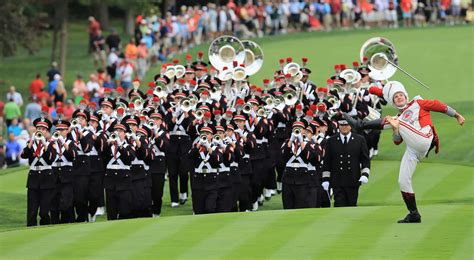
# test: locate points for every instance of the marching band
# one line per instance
(236, 144)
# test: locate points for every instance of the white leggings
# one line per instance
(418, 143)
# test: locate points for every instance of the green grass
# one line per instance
(444, 184)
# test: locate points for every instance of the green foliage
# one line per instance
(23, 24)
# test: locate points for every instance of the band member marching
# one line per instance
(41, 182)
(62, 210)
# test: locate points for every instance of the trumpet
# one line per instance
(185, 104)
(247, 108)
(159, 92)
(151, 123)
(203, 139)
(38, 136)
(261, 112)
(199, 114)
(297, 131)
(74, 123)
(113, 137)
(138, 103)
(56, 136)
(216, 138)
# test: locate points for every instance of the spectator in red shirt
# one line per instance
(94, 28)
(36, 86)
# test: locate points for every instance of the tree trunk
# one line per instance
(103, 15)
(63, 37)
(56, 24)
(129, 25)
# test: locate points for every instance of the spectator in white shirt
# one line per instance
(16, 96)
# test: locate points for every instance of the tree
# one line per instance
(23, 23)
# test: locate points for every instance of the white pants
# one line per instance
(418, 143)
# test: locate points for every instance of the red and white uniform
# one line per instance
(417, 131)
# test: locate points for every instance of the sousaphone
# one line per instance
(224, 50)
(382, 59)
(253, 57)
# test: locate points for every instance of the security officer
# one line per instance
(62, 210)
(41, 182)
(346, 165)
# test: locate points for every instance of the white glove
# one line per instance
(79, 128)
(252, 113)
(363, 179)
(325, 185)
(300, 138)
(293, 137)
(105, 117)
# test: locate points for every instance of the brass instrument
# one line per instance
(261, 112)
(247, 108)
(239, 74)
(297, 131)
(138, 103)
(113, 137)
(160, 92)
(74, 123)
(290, 97)
(224, 50)
(185, 104)
(253, 57)
(351, 76)
(39, 136)
(151, 123)
(291, 68)
(199, 114)
(55, 136)
(216, 138)
(383, 59)
(180, 70)
(203, 138)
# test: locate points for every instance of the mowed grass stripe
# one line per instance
(315, 236)
(364, 232)
(400, 239)
(465, 249)
(230, 237)
(449, 237)
(459, 182)
(36, 242)
(148, 243)
(383, 179)
(174, 245)
(278, 228)
(425, 177)
(95, 236)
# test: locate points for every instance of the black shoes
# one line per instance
(412, 217)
